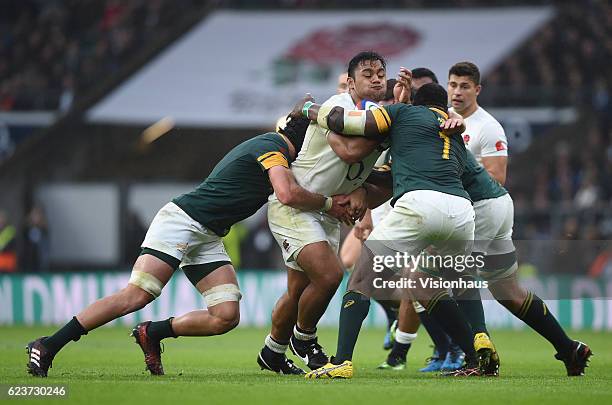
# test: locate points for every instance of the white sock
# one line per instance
(303, 336)
(275, 346)
(404, 337)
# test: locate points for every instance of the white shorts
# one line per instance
(293, 229)
(494, 222)
(175, 233)
(380, 212)
(425, 218)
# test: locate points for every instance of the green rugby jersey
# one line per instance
(423, 157)
(478, 183)
(238, 185)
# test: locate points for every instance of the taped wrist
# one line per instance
(328, 204)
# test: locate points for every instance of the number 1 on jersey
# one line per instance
(446, 149)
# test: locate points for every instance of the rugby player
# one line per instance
(493, 234)
(430, 207)
(186, 233)
(351, 246)
(309, 241)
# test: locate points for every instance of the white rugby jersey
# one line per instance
(318, 169)
(484, 136)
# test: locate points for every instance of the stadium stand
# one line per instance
(53, 52)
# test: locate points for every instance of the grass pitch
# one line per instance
(107, 368)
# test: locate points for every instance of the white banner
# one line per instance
(245, 69)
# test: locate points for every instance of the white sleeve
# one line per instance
(493, 140)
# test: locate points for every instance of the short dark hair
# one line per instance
(466, 69)
(362, 57)
(432, 95)
(390, 85)
(417, 73)
(295, 131)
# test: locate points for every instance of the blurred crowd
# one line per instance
(52, 52)
(567, 62)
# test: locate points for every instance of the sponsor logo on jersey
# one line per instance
(500, 145)
(349, 303)
(286, 245)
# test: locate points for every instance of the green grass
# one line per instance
(106, 367)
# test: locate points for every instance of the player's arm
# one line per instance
(496, 166)
(494, 151)
(373, 122)
(290, 193)
(351, 149)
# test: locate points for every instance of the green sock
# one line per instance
(445, 311)
(355, 308)
(535, 313)
(471, 305)
(161, 329)
(73, 330)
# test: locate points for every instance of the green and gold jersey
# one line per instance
(238, 185)
(423, 157)
(478, 183)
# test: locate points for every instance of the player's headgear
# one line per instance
(295, 131)
(432, 95)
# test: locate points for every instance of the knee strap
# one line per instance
(222, 293)
(146, 282)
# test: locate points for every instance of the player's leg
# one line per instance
(451, 219)
(440, 339)
(350, 250)
(153, 274)
(222, 295)
(284, 316)
(208, 267)
(406, 332)
(356, 301)
(349, 254)
(354, 309)
(309, 243)
(324, 271)
(529, 308)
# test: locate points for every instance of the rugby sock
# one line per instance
(73, 330)
(273, 348)
(471, 305)
(439, 338)
(303, 334)
(161, 329)
(355, 308)
(390, 311)
(535, 313)
(403, 341)
(445, 311)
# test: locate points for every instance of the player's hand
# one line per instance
(403, 87)
(358, 203)
(454, 124)
(363, 228)
(297, 109)
(340, 209)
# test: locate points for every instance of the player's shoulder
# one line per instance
(485, 118)
(270, 141)
(343, 100)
